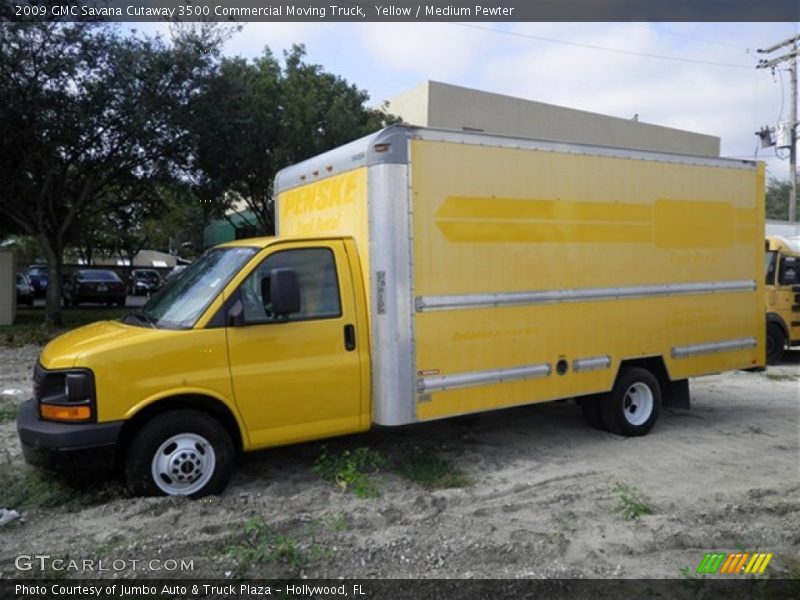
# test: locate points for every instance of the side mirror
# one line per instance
(283, 291)
(788, 270)
(236, 314)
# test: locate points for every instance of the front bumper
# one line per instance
(75, 447)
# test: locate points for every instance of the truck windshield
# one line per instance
(181, 302)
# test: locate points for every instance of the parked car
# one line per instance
(144, 282)
(24, 290)
(94, 285)
(37, 275)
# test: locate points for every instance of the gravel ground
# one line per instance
(540, 503)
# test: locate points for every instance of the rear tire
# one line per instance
(776, 342)
(180, 453)
(632, 407)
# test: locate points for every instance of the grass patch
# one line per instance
(780, 377)
(351, 471)
(429, 470)
(632, 502)
(8, 412)
(755, 429)
(263, 545)
(26, 487)
(29, 327)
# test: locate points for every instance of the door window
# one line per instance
(316, 275)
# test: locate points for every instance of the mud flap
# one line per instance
(676, 394)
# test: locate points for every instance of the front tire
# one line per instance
(180, 453)
(776, 342)
(632, 407)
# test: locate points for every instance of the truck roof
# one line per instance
(390, 146)
(790, 245)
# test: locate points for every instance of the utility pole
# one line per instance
(791, 58)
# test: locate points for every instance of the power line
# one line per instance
(603, 48)
(692, 36)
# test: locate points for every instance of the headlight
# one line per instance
(65, 395)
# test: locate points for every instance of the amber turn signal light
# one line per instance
(57, 412)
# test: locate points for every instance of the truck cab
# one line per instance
(782, 268)
(258, 343)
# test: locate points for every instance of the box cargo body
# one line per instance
(505, 271)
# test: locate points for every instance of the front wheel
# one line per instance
(776, 341)
(180, 453)
(632, 406)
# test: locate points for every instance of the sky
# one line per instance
(695, 76)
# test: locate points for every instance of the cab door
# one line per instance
(298, 377)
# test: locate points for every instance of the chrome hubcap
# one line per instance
(183, 464)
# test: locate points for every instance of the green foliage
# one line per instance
(424, 467)
(92, 122)
(25, 487)
(351, 470)
(632, 503)
(263, 545)
(8, 412)
(29, 329)
(256, 117)
(777, 199)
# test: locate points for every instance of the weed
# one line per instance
(8, 412)
(755, 429)
(690, 581)
(263, 545)
(424, 467)
(632, 503)
(25, 487)
(337, 524)
(351, 470)
(780, 377)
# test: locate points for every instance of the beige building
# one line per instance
(434, 104)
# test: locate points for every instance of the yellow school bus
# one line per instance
(419, 274)
(782, 266)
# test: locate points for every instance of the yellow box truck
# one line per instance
(782, 266)
(420, 274)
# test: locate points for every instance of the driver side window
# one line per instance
(316, 274)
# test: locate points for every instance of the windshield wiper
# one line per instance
(141, 316)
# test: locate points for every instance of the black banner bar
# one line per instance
(402, 10)
(399, 589)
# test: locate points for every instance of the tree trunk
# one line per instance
(55, 267)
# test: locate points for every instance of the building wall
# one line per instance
(783, 228)
(434, 104)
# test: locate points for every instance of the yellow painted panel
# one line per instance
(495, 220)
(332, 206)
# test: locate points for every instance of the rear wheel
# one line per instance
(633, 405)
(776, 342)
(179, 453)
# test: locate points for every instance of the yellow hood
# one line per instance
(67, 349)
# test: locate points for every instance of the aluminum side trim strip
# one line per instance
(429, 303)
(713, 347)
(595, 363)
(438, 383)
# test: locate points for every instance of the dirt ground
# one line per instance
(541, 502)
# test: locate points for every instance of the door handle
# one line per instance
(349, 337)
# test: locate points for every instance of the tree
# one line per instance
(87, 116)
(777, 199)
(256, 117)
